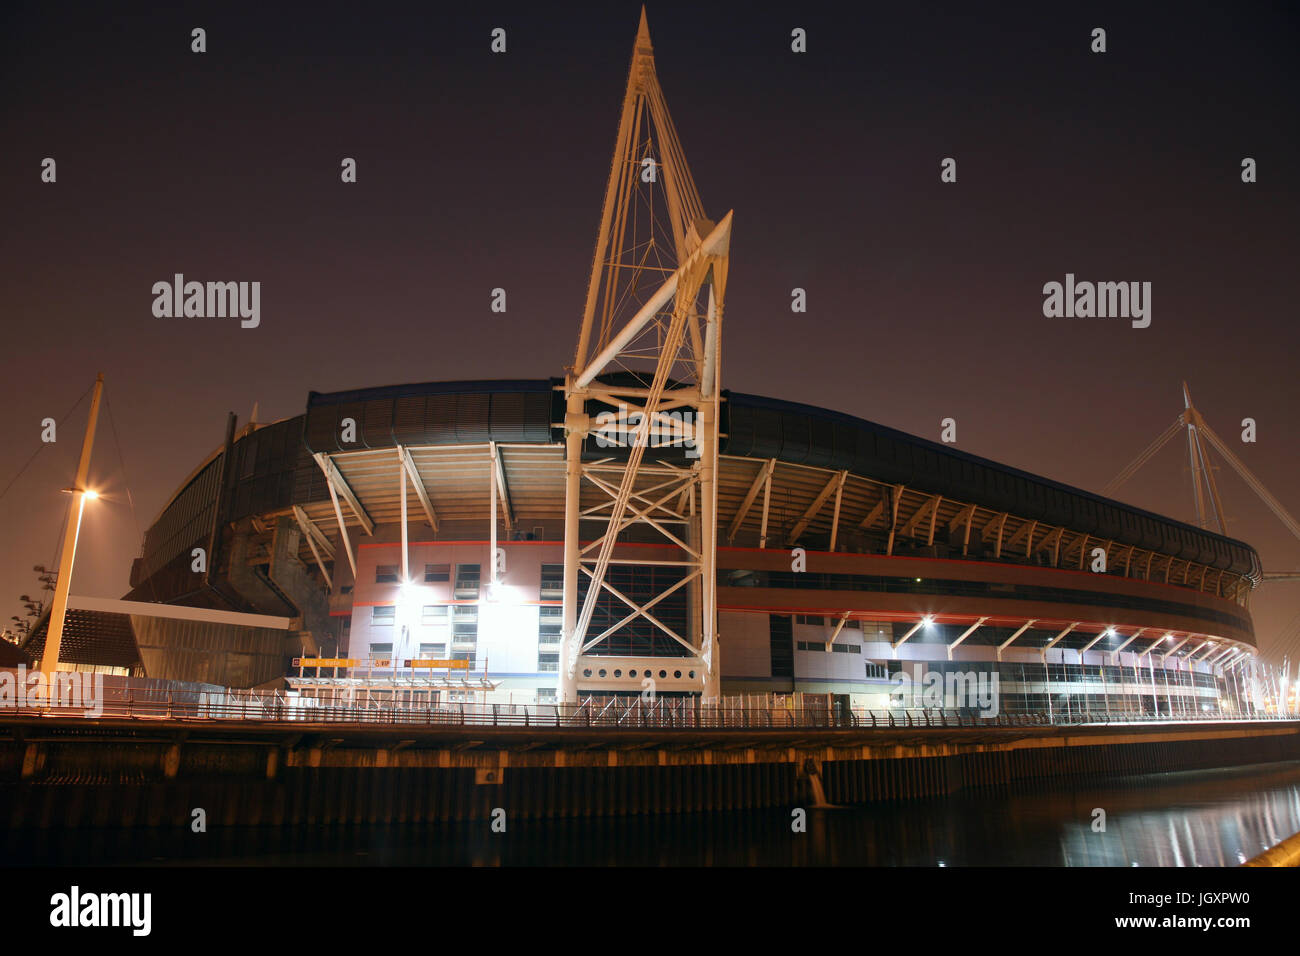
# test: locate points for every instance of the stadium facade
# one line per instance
(847, 551)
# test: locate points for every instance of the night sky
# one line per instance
(478, 171)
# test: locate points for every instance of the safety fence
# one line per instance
(634, 713)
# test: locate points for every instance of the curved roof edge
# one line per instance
(780, 405)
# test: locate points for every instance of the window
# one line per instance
(437, 572)
(464, 628)
(467, 581)
(548, 661)
(381, 650)
(552, 582)
(383, 616)
(781, 646)
(815, 621)
(550, 623)
(386, 574)
(546, 695)
(434, 615)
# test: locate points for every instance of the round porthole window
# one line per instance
(677, 674)
(602, 672)
(618, 673)
(587, 672)
(692, 675)
(663, 674)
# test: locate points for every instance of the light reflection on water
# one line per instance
(1199, 818)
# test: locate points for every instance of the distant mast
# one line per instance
(59, 611)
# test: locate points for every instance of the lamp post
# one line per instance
(79, 491)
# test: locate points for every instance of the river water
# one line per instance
(1195, 818)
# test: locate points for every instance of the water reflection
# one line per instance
(1200, 818)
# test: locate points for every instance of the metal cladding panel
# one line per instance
(845, 437)
(509, 417)
(1153, 533)
(1199, 547)
(1175, 542)
(522, 416)
(325, 427)
(185, 522)
(821, 444)
(353, 414)
(409, 426)
(308, 482)
(265, 465)
(321, 432)
(1035, 496)
(888, 463)
(376, 423)
(440, 414)
(1110, 524)
(1208, 545)
(437, 413)
(796, 437)
(1084, 512)
(473, 418)
(1056, 507)
(751, 433)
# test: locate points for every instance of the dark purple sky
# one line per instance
(478, 171)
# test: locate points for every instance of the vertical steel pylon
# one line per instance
(642, 397)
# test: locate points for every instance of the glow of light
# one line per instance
(1169, 637)
(1110, 632)
(928, 620)
(407, 593)
(918, 580)
(91, 493)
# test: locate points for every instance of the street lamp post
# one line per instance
(59, 611)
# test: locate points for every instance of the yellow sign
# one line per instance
(324, 662)
(441, 664)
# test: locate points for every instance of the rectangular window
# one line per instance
(383, 616)
(815, 621)
(386, 574)
(467, 582)
(437, 651)
(781, 645)
(381, 650)
(550, 622)
(548, 661)
(464, 628)
(552, 582)
(437, 572)
(434, 615)
(546, 695)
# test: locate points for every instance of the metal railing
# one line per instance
(596, 712)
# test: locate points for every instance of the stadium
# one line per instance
(913, 552)
(632, 528)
